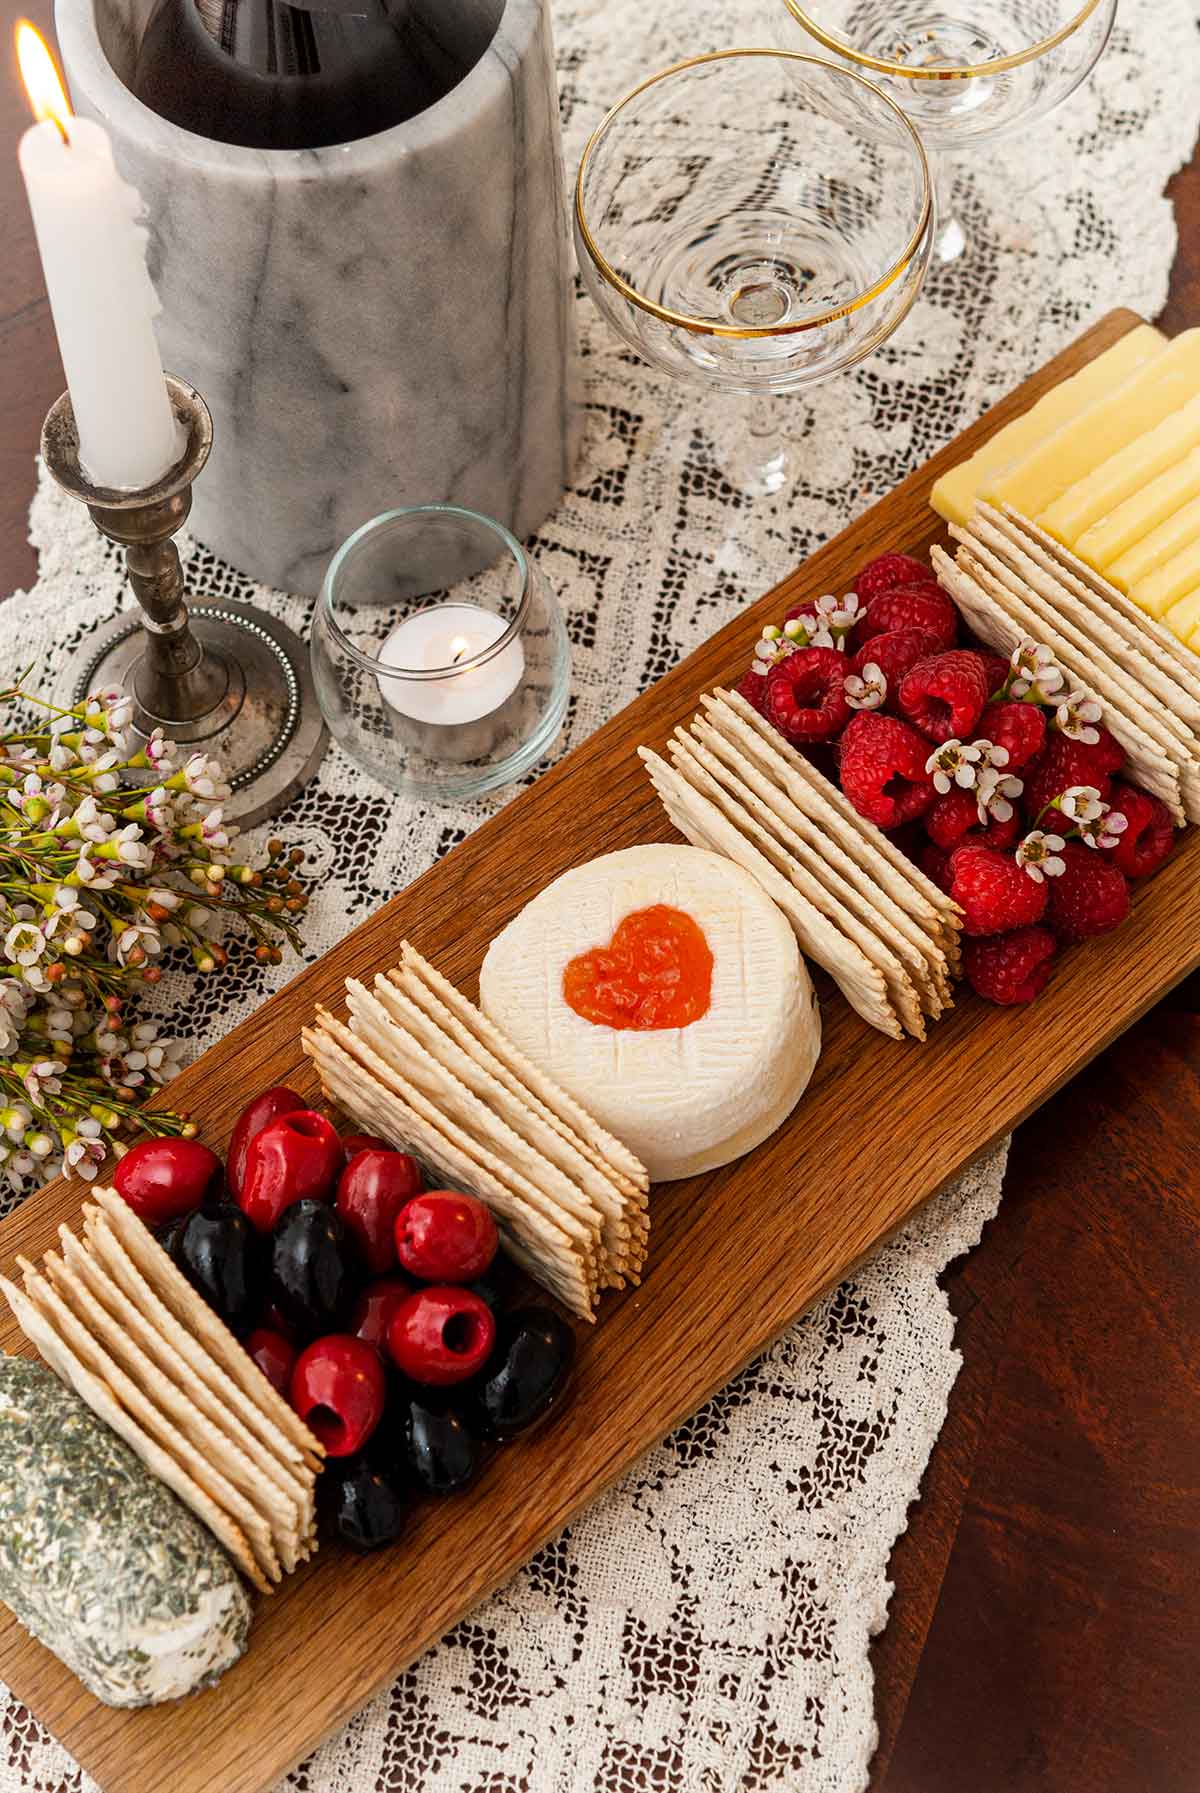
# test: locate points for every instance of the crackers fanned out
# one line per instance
(115, 1319)
(886, 935)
(1015, 584)
(421, 1066)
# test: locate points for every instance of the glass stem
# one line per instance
(766, 463)
(951, 239)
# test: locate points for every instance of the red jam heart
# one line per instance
(655, 972)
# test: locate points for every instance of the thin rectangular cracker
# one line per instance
(420, 1079)
(795, 860)
(575, 1119)
(702, 822)
(518, 1113)
(994, 623)
(360, 1082)
(175, 1293)
(243, 1470)
(1135, 647)
(1161, 643)
(866, 894)
(296, 1483)
(96, 1394)
(1079, 648)
(832, 809)
(193, 1463)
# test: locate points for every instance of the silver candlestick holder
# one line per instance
(219, 678)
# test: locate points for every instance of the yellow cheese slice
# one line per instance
(1107, 542)
(1184, 616)
(1179, 531)
(955, 493)
(1128, 471)
(1126, 412)
(1169, 583)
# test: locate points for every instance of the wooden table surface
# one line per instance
(1045, 1627)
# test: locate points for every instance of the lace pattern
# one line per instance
(704, 1627)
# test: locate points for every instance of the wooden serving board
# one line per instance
(735, 1255)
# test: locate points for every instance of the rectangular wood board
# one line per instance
(736, 1255)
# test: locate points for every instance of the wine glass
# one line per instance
(964, 70)
(755, 221)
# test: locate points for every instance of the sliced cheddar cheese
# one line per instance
(955, 493)
(1125, 473)
(1129, 410)
(1168, 584)
(1107, 542)
(1184, 617)
(1154, 550)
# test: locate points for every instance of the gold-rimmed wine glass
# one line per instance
(963, 70)
(755, 221)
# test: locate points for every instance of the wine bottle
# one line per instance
(277, 74)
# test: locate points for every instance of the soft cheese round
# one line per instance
(685, 1099)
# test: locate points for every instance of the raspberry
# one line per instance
(1150, 835)
(753, 687)
(944, 696)
(1010, 968)
(995, 670)
(1021, 728)
(806, 697)
(910, 607)
(889, 571)
(894, 654)
(953, 821)
(936, 865)
(993, 892)
(883, 770)
(1065, 763)
(1089, 897)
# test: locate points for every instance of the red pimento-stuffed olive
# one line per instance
(276, 1101)
(353, 1143)
(295, 1159)
(444, 1236)
(441, 1335)
(338, 1388)
(162, 1179)
(274, 1356)
(371, 1192)
(373, 1313)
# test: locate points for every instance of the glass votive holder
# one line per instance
(439, 654)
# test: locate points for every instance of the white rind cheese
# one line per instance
(99, 1560)
(684, 1099)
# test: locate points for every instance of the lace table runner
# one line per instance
(704, 1628)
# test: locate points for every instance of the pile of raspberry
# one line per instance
(885, 678)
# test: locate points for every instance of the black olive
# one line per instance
(526, 1373)
(314, 1272)
(441, 1451)
(171, 1235)
(216, 1250)
(366, 1507)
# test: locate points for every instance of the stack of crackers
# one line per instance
(424, 1068)
(883, 931)
(115, 1319)
(1015, 584)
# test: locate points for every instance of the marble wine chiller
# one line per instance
(380, 323)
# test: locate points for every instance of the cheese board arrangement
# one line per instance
(667, 1047)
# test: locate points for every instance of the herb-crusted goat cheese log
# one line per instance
(99, 1560)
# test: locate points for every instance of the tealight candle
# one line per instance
(458, 701)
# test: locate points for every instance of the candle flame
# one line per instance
(458, 647)
(43, 83)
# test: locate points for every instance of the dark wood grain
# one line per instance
(1067, 1629)
(933, 1740)
(317, 1635)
